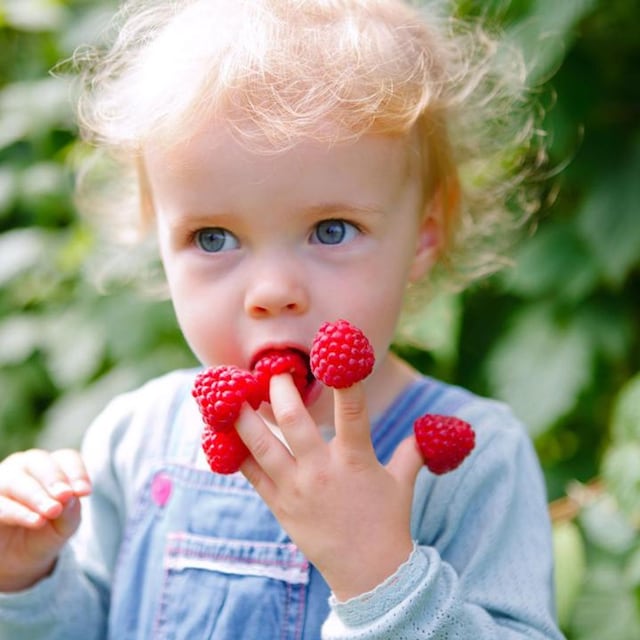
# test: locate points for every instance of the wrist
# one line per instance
(13, 583)
(370, 573)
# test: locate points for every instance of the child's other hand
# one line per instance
(39, 511)
(347, 513)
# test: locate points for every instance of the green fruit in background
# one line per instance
(570, 565)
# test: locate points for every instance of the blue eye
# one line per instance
(215, 240)
(333, 232)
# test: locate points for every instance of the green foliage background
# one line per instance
(555, 336)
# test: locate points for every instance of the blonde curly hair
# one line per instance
(278, 71)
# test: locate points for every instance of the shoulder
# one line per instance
(504, 458)
(504, 452)
(502, 474)
(490, 418)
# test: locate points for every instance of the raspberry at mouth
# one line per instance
(275, 361)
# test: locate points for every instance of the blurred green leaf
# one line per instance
(570, 566)
(608, 219)
(609, 328)
(436, 328)
(34, 15)
(540, 366)
(606, 527)
(30, 108)
(547, 32)
(554, 262)
(621, 472)
(74, 348)
(20, 336)
(7, 189)
(632, 569)
(21, 250)
(607, 608)
(625, 416)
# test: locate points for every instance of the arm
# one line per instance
(39, 511)
(482, 567)
(65, 595)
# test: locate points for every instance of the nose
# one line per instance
(276, 288)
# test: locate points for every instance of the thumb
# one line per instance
(68, 521)
(406, 461)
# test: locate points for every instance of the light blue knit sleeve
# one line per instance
(72, 603)
(63, 606)
(481, 567)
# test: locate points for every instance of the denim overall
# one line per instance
(228, 569)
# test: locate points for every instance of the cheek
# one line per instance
(201, 320)
(374, 303)
(208, 334)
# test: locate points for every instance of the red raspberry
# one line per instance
(341, 355)
(224, 450)
(275, 362)
(220, 393)
(444, 441)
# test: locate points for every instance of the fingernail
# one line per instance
(81, 486)
(46, 505)
(33, 518)
(59, 488)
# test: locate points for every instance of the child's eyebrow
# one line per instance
(340, 209)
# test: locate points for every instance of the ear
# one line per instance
(429, 241)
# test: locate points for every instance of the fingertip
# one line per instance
(52, 509)
(406, 461)
(67, 521)
(81, 487)
(60, 490)
(282, 388)
(33, 520)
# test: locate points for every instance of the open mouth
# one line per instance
(289, 360)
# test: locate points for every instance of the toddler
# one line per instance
(296, 161)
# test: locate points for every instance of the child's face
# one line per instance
(259, 250)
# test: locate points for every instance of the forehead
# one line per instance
(216, 163)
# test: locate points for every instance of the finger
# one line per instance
(258, 478)
(71, 464)
(16, 514)
(20, 487)
(406, 461)
(292, 417)
(67, 522)
(268, 451)
(353, 429)
(44, 469)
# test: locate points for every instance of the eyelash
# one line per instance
(196, 238)
(346, 227)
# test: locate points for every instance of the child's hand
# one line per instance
(39, 511)
(347, 513)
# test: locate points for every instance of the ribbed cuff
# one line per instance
(369, 606)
